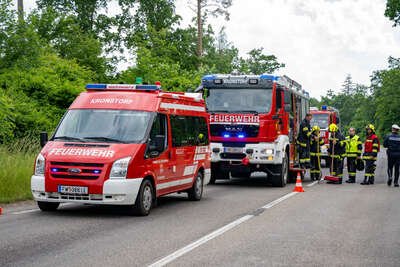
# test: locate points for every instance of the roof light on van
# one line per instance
(123, 86)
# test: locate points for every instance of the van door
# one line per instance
(159, 153)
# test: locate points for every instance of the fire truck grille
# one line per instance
(232, 155)
(234, 130)
(75, 170)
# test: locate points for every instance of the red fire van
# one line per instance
(121, 144)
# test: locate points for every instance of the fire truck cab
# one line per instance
(254, 120)
(323, 118)
(121, 144)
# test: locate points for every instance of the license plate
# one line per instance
(233, 149)
(68, 189)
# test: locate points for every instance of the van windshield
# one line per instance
(104, 125)
(322, 120)
(239, 100)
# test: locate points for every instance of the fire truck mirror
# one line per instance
(288, 107)
(43, 138)
(337, 120)
(287, 98)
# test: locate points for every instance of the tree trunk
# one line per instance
(20, 10)
(199, 30)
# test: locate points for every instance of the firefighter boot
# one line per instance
(351, 180)
(389, 182)
(365, 182)
(396, 182)
(371, 180)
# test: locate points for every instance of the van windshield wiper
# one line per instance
(218, 111)
(70, 138)
(246, 111)
(103, 138)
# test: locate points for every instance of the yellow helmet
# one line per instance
(370, 126)
(333, 127)
(315, 128)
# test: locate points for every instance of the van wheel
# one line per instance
(196, 192)
(48, 206)
(281, 179)
(144, 200)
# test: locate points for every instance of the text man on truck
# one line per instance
(122, 144)
(254, 122)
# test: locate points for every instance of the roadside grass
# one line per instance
(16, 168)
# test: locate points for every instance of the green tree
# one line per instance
(393, 11)
(257, 62)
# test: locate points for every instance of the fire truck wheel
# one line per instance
(241, 174)
(196, 192)
(48, 206)
(281, 179)
(144, 200)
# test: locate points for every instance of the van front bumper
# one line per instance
(115, 192)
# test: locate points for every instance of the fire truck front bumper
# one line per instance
(115, 192)
(260, 153)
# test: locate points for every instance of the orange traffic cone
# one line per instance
(299, 186)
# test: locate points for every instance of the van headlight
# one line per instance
(120, 168)
(39, 165)
(267, 151)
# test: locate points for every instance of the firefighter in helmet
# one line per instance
(353, 153)
(371, 149)
(315, 153)
(303, 141)
(336, 151)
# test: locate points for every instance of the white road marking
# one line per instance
(273, 203)
(199, 242)
(313, 183)
(180, 252)
(24, 211)
(33, 210)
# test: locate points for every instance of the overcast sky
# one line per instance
(320, 41)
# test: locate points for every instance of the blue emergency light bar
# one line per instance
(99, 86)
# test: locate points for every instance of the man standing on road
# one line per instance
(392, 143)
(315, 153)
(336, 151)
(353, 153)
(303, 140)
(371, 149)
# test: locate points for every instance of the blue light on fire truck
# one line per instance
(269, 77)
(227, 135)
(241, 135)
(324, 107)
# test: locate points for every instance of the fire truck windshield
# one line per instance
(322, 120)
(239, 100)
(101, 125)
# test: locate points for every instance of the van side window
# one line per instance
(189, 131)
(158, 134)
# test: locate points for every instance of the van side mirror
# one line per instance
(157, 144)
(44, 137)
(337, 120)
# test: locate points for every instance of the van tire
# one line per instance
(282, 179)
(48, 206)
(144, 200)
(196, 192)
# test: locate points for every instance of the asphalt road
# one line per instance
(237, 223)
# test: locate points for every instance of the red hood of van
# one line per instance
(88, 152)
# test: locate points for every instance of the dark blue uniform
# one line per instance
(392, 143)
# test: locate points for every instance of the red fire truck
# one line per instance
(323, 118)
(122, 144)
(254, 121)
